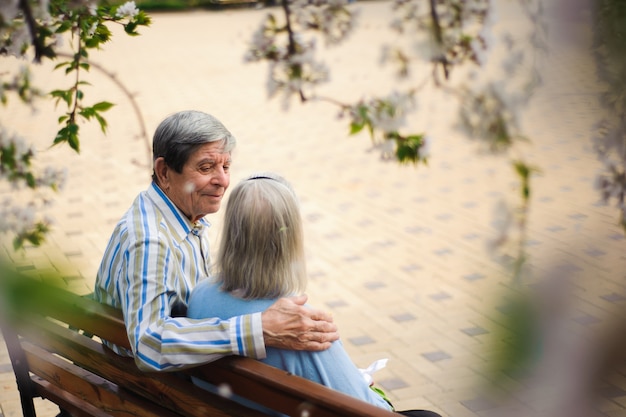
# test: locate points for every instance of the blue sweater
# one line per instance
(332, 367)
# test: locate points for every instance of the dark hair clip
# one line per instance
(262, 176)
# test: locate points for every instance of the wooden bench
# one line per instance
(53, 338)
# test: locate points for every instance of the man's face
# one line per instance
(199, 188)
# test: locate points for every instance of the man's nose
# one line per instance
(221, 177)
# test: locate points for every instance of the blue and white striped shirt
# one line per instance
(154, 258)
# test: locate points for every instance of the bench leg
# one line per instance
(20, 369)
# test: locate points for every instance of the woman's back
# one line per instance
(332, 367)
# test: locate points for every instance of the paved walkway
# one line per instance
(396, 253)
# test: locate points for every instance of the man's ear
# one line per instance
(162, 172)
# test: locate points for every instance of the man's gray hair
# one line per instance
(180, 134)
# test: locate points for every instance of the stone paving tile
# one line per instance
(397, 254)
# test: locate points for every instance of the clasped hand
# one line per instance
(288, 324)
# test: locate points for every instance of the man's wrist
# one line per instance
(246, 335)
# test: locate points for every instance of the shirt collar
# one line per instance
(180, 225)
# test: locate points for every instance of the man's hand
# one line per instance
(287, 324)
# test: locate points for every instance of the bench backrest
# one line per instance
(53, 337)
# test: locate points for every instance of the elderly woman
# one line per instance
(260, 259)
(159, 251)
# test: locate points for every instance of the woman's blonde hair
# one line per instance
(261, 254)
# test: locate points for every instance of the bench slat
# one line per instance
(283, 391)
(67, 401)
(89, 387)
(78, 312)
(168, 389)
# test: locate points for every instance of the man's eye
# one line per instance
(205, 168)
(226, 168)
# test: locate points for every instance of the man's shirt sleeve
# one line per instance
(162, 342)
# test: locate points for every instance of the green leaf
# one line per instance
(48, 52)
(102, 121)
(103, 33)
(522, 169)
(356, 127)
(407, 150)
(64, 27)
(129, 28)
(65, 95)
(7, 157)
(62, 136)
(87, 112)
(62, 64)
(18, 242)
(143, 19)
(73, 138)
(68, 134)
(92, 42)
(102, 106)
(30, 180)
(35, 236)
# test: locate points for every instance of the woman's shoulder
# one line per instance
(204, 289)
(208, 299)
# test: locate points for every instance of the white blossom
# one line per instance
(25, 218)
(337, 3)
(17, 219)
(389, 114)
(478, 51)
(272, 86)
(397, 25)
(42, 12)
(512, 62)
(20, 145)
(128, 9)
(425, 149)
(8, 9)
(92, 29)
(294, 85)
(329, 17)
(53, 177)
(19, 41)
(502, 222)
(387, 149)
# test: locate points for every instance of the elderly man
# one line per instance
(159, 251)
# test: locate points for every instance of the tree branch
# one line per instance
(438, 37)
(133, 103)
(291, 47)
(32, 28)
